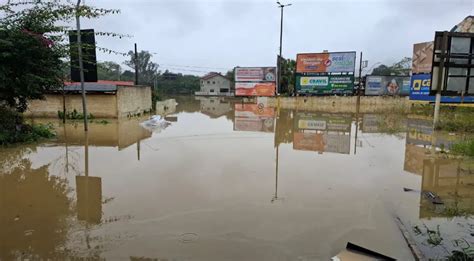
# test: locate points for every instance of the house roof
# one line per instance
(212, 75)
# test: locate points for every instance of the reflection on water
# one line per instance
(244, 180)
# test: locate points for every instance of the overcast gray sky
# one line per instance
(222, 34)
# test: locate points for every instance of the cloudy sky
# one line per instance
(196, 36)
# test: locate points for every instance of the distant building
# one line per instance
(215, 84)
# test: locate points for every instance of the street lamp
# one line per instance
(281, 6)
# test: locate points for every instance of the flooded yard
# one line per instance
(231, 180)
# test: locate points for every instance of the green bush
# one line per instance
(74, 115)
(14, 130)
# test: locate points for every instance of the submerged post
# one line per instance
(440, 78)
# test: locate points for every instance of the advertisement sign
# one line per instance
(255, 88)
(420, 85)
(329, 84)
(255, 74)
(254, 117)
(387, 85)
(325, 62)
(422, 57)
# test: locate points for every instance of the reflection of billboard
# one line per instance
(323, 132)
(325, 62)
(325, 73)
(252, 117)
(255, 81)
(422, 57)
(387, 85)
(323, 121)
(327, 84)
(255, 88)
(255, 74)
(322, 141)
(308, 141)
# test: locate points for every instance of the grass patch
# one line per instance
(452, 118)
(464, 148)
(74, 115)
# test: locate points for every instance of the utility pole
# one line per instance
(81, 66)
(281, 6)
(440, 78)
(136, 65)
(360, 76)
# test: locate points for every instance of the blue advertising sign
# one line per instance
(420, 86)
(387, 85)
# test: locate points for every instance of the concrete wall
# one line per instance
(215, 83)
(99, 105)
(165, 107)
(132, 100)
(368, 104)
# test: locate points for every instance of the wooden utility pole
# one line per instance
(81, 66)
(440, 79)
(360, 77)
(136, 65)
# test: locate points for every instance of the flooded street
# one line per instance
(228, 180)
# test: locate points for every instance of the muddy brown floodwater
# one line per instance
(228, 180)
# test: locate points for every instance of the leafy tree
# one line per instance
(288, 69)
(401, 67)
(109, 71)
(147, 70)
(182, 84)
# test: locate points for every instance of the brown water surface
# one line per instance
(228, 180)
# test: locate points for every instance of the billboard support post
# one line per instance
(439, 86)
(136, 65)
(360, 77)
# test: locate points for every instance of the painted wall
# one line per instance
(133, 100)
(368, 104)
(99, 105)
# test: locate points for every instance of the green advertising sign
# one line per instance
(325, 84)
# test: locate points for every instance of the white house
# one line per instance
(215, 84)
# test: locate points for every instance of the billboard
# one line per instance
(255, 88)
(420, 86)
(255, 81)
(254, 117)
(325, 62)
(327, 84)
(255, 74)
(325, 73)
(422, 57)
(387, 85)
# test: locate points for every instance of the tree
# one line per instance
(147, 70)
(109, 70)
(33, 45)
(401, 67)
(288, 69)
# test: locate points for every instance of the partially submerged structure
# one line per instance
(105, 99)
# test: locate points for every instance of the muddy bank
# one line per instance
(337, 104)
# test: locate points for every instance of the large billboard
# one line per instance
(325, 73)
(255, 88)
(422, 57)
(325, 62)
(420, 86)
(255, 74)
(387, 85)
(254, 117)
(255, 81)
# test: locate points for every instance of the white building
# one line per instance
(215, 84)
